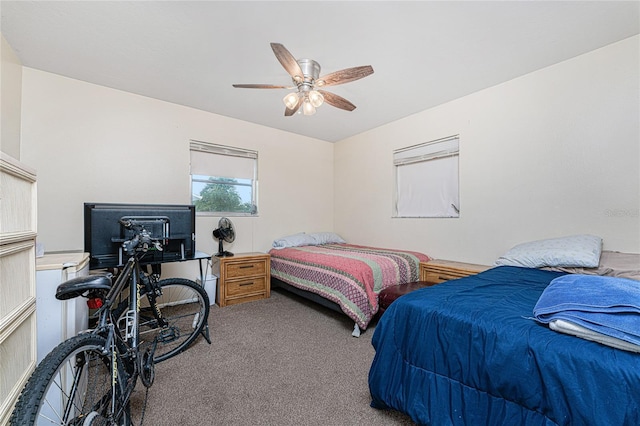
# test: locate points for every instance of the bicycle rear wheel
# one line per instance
(73, 386)
(184, 305)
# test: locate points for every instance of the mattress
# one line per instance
(347, 274)
(468, 352)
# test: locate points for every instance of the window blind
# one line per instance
(222, 161)
(427, 179)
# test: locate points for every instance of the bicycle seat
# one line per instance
(77, 286)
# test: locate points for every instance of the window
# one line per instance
(427, 179)
(223, 179)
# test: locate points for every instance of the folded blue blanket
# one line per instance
(606, 305)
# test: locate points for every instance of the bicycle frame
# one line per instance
(109, 325)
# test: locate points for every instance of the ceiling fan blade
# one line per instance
(288, 112)
(288, 61)
(337, 101)
(261, 86)
(345, 76)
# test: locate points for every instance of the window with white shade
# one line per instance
(427, 179)
(224, 179)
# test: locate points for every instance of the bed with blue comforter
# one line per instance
(468, 352)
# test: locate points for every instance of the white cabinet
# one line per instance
(58, 320)
(17, 280)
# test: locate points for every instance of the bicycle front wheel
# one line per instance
(73, 386)
(184, 306)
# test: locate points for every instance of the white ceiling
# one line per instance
(424, 53)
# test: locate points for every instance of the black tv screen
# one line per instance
(103, 233)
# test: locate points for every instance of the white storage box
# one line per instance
(59, 320)
(211, 287)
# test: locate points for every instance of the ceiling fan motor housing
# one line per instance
(311, 72)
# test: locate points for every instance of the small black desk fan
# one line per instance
(224, 232)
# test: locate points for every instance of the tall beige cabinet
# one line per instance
(17, 280)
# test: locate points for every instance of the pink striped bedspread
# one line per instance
(350, 275)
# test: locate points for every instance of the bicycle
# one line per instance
(89, 379)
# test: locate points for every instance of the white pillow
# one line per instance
(295, 240)
(573, 251)
(327, 238)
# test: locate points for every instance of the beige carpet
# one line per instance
(279, 361)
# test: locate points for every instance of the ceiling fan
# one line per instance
(305, 74)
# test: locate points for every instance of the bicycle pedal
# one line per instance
(168, 335)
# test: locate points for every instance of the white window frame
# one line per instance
(427, 179)
(229, 162)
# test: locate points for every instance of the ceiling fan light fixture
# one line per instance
(308, 108)
(291, 100)
(316, 98)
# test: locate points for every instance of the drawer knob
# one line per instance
(245, 284)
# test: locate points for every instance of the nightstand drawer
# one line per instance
(439, 277)
(245, 286)
(438, 271)
(246, 269)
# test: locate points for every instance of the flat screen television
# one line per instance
(103, 233)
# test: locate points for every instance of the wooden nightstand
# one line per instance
(437, 271)
(242, 278)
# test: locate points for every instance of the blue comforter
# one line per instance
(467, 352)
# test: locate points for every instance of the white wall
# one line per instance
(94, 144)
(10, 99)
(555, 152)
(552, 153)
